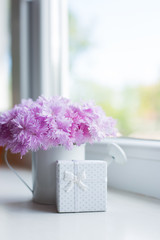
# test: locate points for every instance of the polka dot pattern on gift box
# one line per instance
(88, 195)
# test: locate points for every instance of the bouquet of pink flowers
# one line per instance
(47, 123)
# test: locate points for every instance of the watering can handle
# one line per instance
(115, 153)
(14, 171)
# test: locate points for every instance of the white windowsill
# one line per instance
(129, 216)
(134, 142)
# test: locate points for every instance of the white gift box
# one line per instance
(81, 186)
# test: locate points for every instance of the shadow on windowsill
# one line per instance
(28, 206)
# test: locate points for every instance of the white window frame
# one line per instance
(40, 66)
(141, 173)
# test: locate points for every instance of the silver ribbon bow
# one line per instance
(74, 179)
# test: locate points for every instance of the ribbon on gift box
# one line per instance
(72, 179)
(75, 180)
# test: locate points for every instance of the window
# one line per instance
(115, 60)
(5, 57)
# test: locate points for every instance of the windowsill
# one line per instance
(134, 142)
(129, 216)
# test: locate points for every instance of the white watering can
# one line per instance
(44, 168)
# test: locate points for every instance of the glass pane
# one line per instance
(115, 60)
(5, 56)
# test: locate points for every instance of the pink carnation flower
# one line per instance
(47, 123)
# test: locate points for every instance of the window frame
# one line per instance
(38, 66)
(141, 172)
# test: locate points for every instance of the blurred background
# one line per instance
(114, 59)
